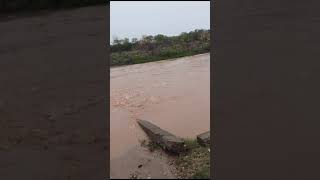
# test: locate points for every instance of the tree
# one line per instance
(146, 43)
(134, 40)
(159, 38)
(126, 45)
(116, 40)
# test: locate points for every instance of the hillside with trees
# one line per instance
(159, 47)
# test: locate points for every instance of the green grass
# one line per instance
(191, 144)
(194, 163)
(203, 173)
(127, 58)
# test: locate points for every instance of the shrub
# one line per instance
(159, 47)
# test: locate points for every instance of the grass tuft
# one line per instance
(191, 144)
(195, 162)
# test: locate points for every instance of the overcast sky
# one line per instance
(137, 18)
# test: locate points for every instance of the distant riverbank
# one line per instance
(159, 47)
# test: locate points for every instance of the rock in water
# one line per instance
(204, 138)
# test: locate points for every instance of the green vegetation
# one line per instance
(195, 162)
(7, 6)
(159, 47)
(191, 144)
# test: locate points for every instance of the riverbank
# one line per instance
(141, 163)
(149, 161)
(129, 58)
(191, 157)
(194, 163)
(159, 47)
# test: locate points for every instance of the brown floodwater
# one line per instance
(173, 94)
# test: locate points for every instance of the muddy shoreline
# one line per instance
(140, 163)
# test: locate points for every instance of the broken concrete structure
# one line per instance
(163, 138)
(204, 138)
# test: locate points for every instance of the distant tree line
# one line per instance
(25, 5)
(159, 47)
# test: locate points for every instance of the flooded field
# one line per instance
(173, 94)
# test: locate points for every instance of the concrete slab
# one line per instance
(204, 138)
(163, 138)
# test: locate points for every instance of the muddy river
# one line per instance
(173, 94)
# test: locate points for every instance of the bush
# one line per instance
(159, 47)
